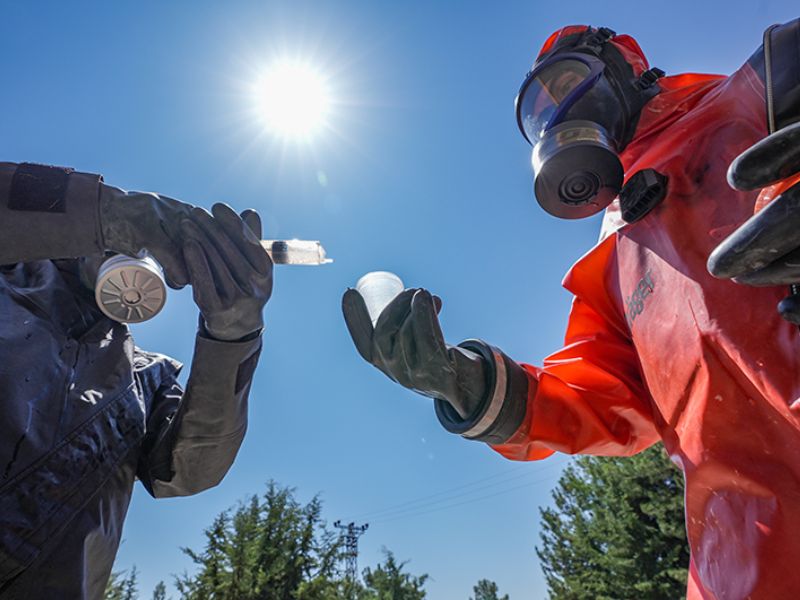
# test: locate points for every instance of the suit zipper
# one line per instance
(68, 384)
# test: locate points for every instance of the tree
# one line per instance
(160, 591)
(487, 590)
(269, 548)
(331, 589)
(120, 587)
(387, 581)
(272, 547)
(617, 530)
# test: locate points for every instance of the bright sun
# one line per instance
(293, 100)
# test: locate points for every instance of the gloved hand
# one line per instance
(136, 221)
(765, 250)
(408, 346)
(230, 272)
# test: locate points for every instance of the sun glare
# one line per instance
(293, 100)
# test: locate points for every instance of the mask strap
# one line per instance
(648, 78)
(595, 40)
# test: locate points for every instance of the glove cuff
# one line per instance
(501, 413)
(203, 332)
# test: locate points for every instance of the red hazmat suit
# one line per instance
(657, 349)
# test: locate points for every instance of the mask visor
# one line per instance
(551, 89)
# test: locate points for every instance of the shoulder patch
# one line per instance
(39, 188)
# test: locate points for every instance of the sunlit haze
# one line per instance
(293, 100)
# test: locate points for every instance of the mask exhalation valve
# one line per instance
(579, 188)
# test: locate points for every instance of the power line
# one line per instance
(504, 478)
(411, 514)
(448, 498)
(456, 493)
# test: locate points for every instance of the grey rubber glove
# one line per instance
(230, 272)
(407, 345)
(135, 221)
(765, 250)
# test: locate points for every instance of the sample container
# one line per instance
(378, 289)
(296, 252)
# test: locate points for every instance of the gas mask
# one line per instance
(578, 107)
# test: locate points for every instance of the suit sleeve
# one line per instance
(587, 398)
(194, 435)
(48, 212)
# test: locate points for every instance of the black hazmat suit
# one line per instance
(83, 411)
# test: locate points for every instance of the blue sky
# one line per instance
(422, 173)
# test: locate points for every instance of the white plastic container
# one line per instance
(378, 289)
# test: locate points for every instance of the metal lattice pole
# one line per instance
(351, 532)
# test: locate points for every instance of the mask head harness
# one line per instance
(578, 107)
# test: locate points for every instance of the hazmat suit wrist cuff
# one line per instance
(202, 331)
(82, 197)
(87, 185)
(502, 411)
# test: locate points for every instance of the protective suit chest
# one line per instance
(59, 366)
(72, 418)
(682, 320)
(720, 365)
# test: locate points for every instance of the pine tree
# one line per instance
(617, 530)
(269, 548)
(487, 590)
(388, 581)
(120, 587)
(160, 591)
(272, 547)
(213, 581)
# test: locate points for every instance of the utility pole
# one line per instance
(351, 533)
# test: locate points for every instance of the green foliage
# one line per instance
(323, 588)
(270, 548)
(120, 587)
(617, 530)
(274, 548)
(160, 591)
(487, 590)
(388, 581)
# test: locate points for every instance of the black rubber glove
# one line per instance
(136, 221)
(230, 272)
(407, 345)
(765, 250)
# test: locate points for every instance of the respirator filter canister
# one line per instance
(130, 290)
(577, 170)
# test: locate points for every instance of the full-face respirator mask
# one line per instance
(578, 108)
